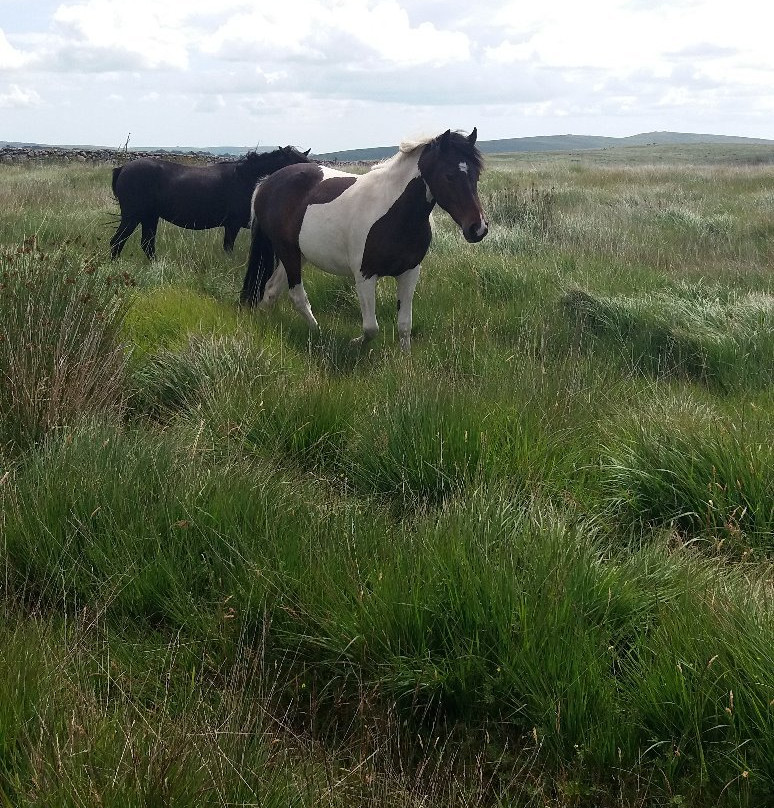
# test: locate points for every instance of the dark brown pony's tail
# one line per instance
(116, 172)
(260, 266)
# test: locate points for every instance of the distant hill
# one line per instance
(546, 143)
(13, 144)
(561, 143)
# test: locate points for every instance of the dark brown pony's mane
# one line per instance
(254, 165)
(254, 157)
(457, 141)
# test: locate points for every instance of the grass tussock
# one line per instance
(61, 352)
(725, 339)
(531, 210)
(706, 478)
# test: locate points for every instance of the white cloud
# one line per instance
(10, 57)
(508, 53)
(329, 72)
(19, 98)
(210, 103)
(353, 32)
(387, 29)
(103, 34)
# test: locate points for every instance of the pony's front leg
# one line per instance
(366, 293)
(230, 232)
(407, 283)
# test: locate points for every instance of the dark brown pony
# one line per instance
(194, 197)
(362, 226)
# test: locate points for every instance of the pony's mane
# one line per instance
(258, 157)
(250, 157)
(409, 146)
(458, 141)
(469, 150)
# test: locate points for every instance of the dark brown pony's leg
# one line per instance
(125, 229)
(231, 231)
(148, 241)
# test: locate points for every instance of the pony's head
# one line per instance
(451, 165)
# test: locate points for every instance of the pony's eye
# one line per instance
(449, 176)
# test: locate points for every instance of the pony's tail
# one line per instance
(260, 266)
(116, 172)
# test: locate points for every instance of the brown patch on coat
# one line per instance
(330, 189)
(279, 206)
(409, 220)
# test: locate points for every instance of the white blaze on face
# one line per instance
(464, 168)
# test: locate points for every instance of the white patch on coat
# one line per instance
(333, 235)
(329, 172)
(464, 167)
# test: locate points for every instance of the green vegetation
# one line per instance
(528, 565)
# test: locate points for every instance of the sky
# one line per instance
(338, 74)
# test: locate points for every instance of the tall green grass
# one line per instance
(706, 478)
(530, 565)
(482, 612)
(717, 337)
(60, 342)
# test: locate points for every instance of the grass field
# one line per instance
(528, 565)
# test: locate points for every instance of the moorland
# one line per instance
(528, 565)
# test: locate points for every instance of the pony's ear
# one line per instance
(443, 140)
(306, 153)
(472, 136)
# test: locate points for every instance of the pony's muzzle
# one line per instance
(476, 231)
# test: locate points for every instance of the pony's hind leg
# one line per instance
(366, 293)
(125, 229)
(297, 295)
(275, 286)
(148, 242)
(290, 265)
(407, 283)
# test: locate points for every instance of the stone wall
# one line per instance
(52, 154)
(40, 155)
